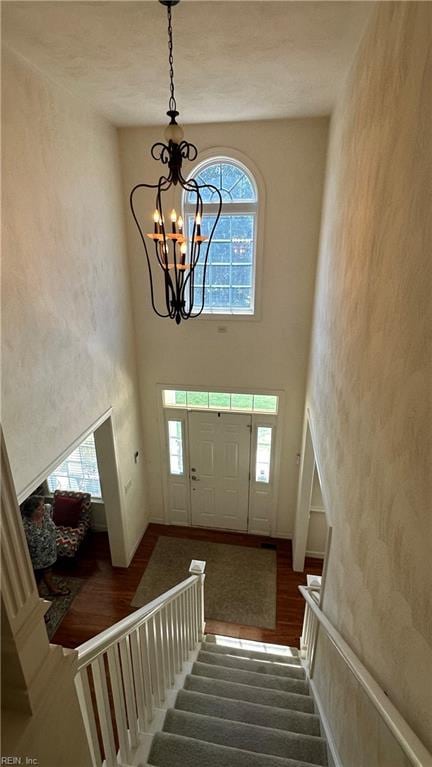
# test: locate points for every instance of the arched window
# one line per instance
(230, 279)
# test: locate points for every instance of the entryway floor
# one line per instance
(107, 592)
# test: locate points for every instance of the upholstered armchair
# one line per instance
(71, 516)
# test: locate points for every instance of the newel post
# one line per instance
(197, 567)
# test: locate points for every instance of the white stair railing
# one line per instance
(309, 635)
(124, 672)
(316, 620)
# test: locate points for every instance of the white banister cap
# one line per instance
(197, 567)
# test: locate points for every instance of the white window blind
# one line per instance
(79, 471)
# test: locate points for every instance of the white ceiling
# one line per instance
(234, 60)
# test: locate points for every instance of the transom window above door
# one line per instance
(230, 275)
(235, 402)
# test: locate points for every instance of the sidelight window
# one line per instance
(175, 439)
(263, 454)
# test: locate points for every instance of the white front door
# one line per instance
(219, 447)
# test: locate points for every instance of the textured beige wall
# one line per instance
(364, 740)
(369, 391)
(68, 339)
(57, 713)
(290, 156)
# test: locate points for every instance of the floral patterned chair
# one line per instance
(71, 516)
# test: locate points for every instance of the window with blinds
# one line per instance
(79, 471)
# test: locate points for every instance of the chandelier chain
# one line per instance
(172, 101)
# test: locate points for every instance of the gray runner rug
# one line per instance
(240, 584)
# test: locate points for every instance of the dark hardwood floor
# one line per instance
(107, 592)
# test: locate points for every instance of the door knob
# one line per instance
(194, 478)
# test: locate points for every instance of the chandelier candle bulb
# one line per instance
(156, 221)
(198, 224)
(173, 221)
(180, 224)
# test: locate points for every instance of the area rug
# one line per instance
(59, 604)
(240, 584)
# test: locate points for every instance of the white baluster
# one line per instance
(155, 663)
(304, 630)
(198, 604)
(161, 653)
(191, 616)
(171, 641)
(138, 678)
(119, 703)
(188, 619)
(178, 662)
(186, 624)
(104, 710)
(86, 705)
(309, 636)
(314, 646)
(181, 629)
(147, 676)
(129, 690)
(197, 610)
(166, 640)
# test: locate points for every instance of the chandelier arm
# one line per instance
(176, 272)
(161, 152)
(173, 295)
(193, 186)
(131, 196)
(216, 221)
(188, 150)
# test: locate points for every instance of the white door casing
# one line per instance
(219, 452)
(176, 487)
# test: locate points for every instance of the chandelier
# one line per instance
(178, 246)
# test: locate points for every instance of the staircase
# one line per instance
(153, 690)
(241, 707)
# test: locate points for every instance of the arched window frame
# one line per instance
(222, 154)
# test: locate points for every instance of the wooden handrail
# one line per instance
(89, 650)
(405, 736)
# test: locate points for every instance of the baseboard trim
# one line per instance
(315, 554)
(337, 762)
(132, 553)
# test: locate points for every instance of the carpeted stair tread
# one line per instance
(170, 750)
(244, 711)
(246, 692)
(287, 684)
(247, 737)
(252, 643)
(250, 664)
(245, 652)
